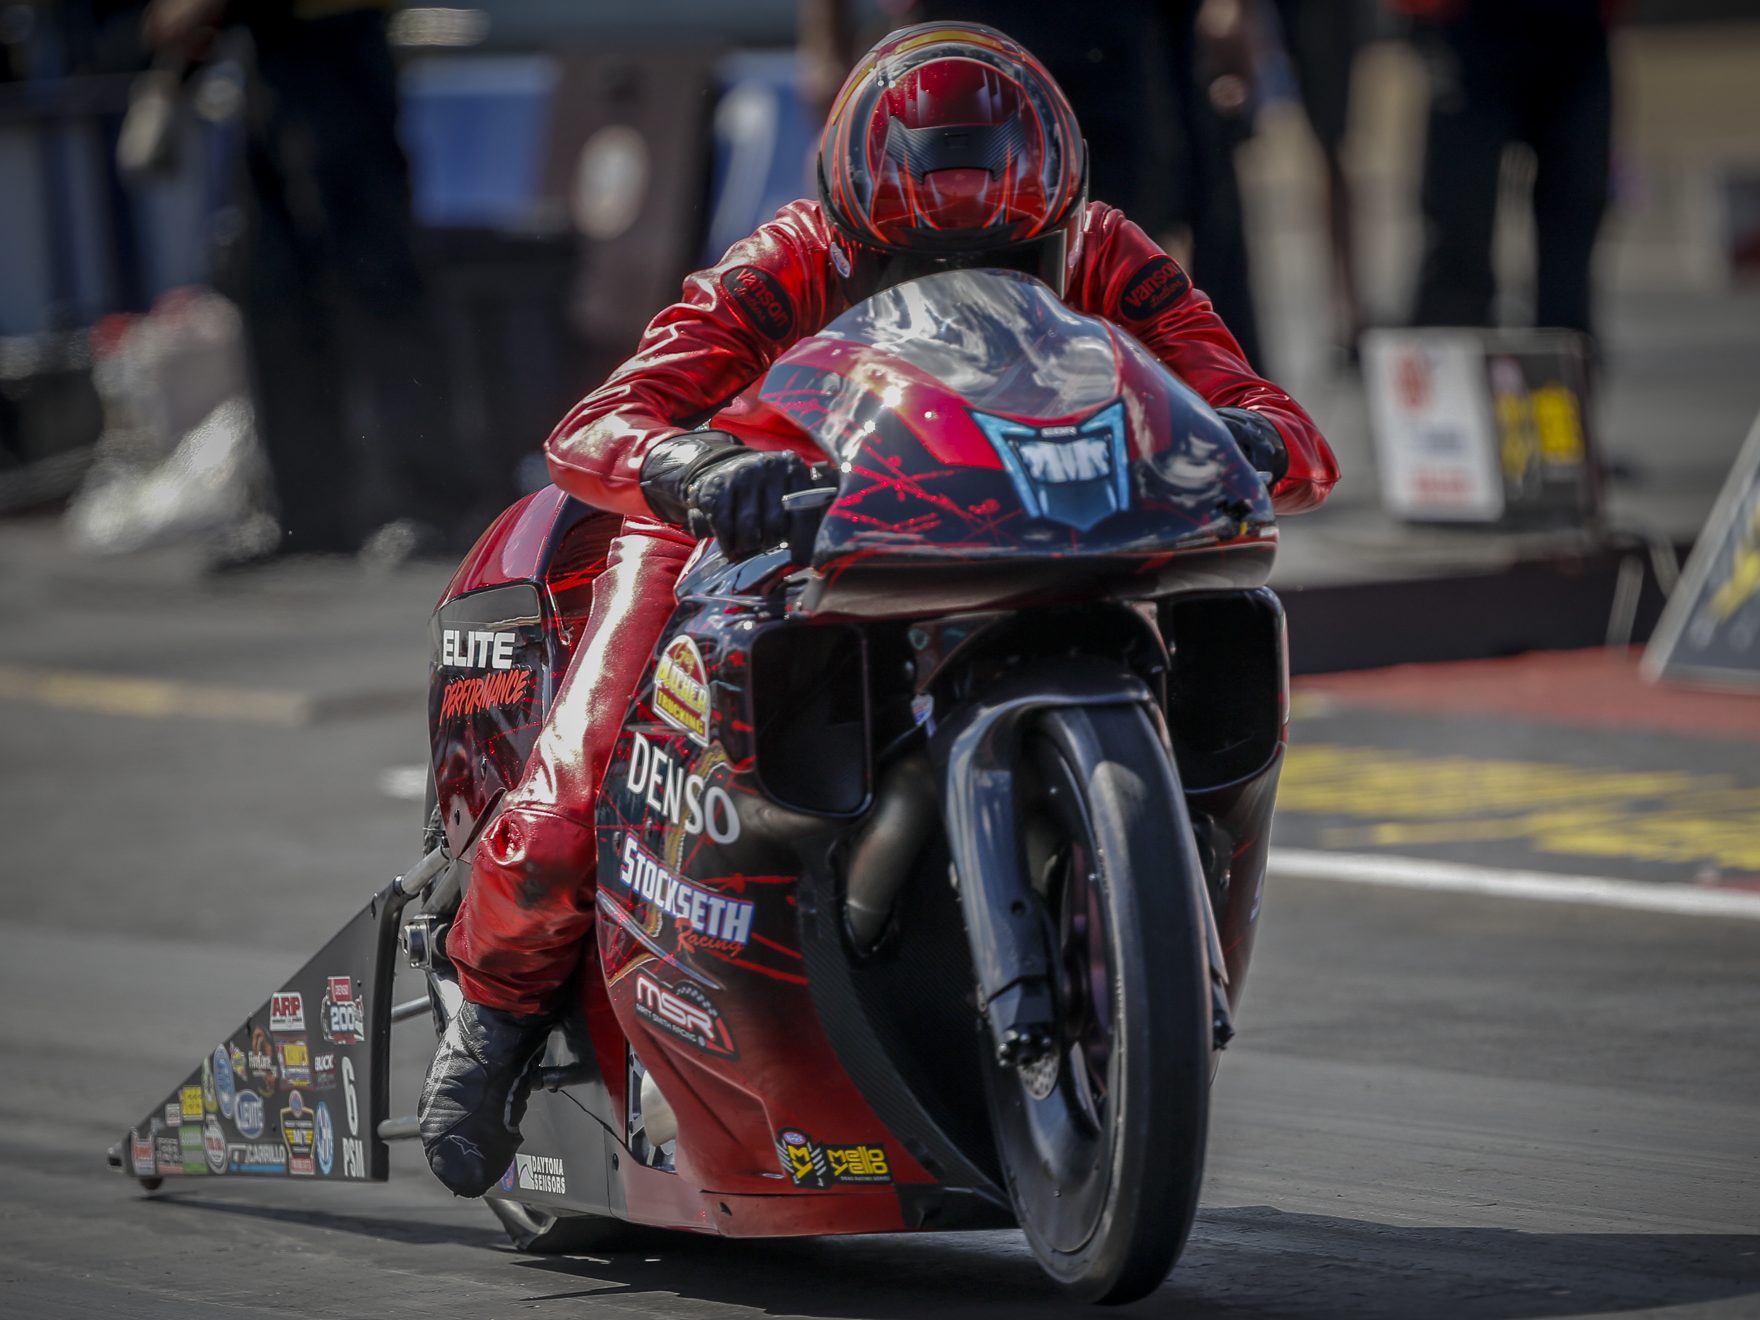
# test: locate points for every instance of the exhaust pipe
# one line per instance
(904, 815)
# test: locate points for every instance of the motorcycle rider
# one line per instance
(948, 147)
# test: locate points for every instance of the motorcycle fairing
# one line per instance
(760, 1061)
(499, 644)
(913, 395)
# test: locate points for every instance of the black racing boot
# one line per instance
(475, 1096)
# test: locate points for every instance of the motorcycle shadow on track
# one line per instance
(383, 1228)
(1246, 1261)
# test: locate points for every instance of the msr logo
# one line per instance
(686, 1012)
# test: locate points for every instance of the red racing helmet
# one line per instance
(950, 146)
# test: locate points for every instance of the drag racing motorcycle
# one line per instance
(931, 849)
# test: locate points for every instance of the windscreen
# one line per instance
(1000, 339)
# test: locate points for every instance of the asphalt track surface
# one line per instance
(1438, 1105)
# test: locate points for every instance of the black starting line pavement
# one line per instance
(1527, 765)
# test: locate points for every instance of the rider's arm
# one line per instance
(1122, 275)
(731, 323)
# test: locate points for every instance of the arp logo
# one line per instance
(287, 1011)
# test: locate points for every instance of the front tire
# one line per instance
(1103, 1143)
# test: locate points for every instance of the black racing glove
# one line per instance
(1259, 440)
(715, 486)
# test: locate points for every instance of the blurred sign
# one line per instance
(764, 148)
(1481, 426)
(1710, 628)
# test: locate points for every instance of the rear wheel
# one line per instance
(1103, 1141)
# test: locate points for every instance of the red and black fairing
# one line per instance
(720, 941)
(500, 641)
(1048, 453)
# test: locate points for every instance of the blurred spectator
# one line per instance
(338, 330)
(1162, 105)
(1502, 71)
(1211, 65)
(1322, 39)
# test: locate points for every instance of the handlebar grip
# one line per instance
(811, 499)
(806, 510)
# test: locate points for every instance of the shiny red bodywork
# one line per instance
(726, 1180)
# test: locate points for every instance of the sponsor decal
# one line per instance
(462, 697)
(1076, 474)
(225, 1089)
(1081, 458)
(712, 916)
(287, 1012)
(669, 790)
(167, 1153)
(240, 1065)
(540, 1173)
(210, 1101)
(256, 1157)
(354, 1158)
(296, 1062)
(193, 1148)
(324, 1071)
(681, 689)
(508, 1182)
(858, 1164)
(299, 1132)
(342, 1016)
(686, 1012)
(249, 1115)
(214, 1144)
(473, 649)
(261, 1062)
(810, 1164)
(324, 1139)
(348, 1097)
(803, 1159)
(1157, 285)
(140, 1153)
(173, 1113)
(761, 299)
(189, 1105)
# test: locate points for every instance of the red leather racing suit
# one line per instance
(529, 908)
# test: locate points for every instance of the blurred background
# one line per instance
(292, 291)
(309, 275)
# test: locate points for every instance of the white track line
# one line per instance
(1546, 886)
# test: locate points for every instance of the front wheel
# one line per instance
(1103, 1140)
